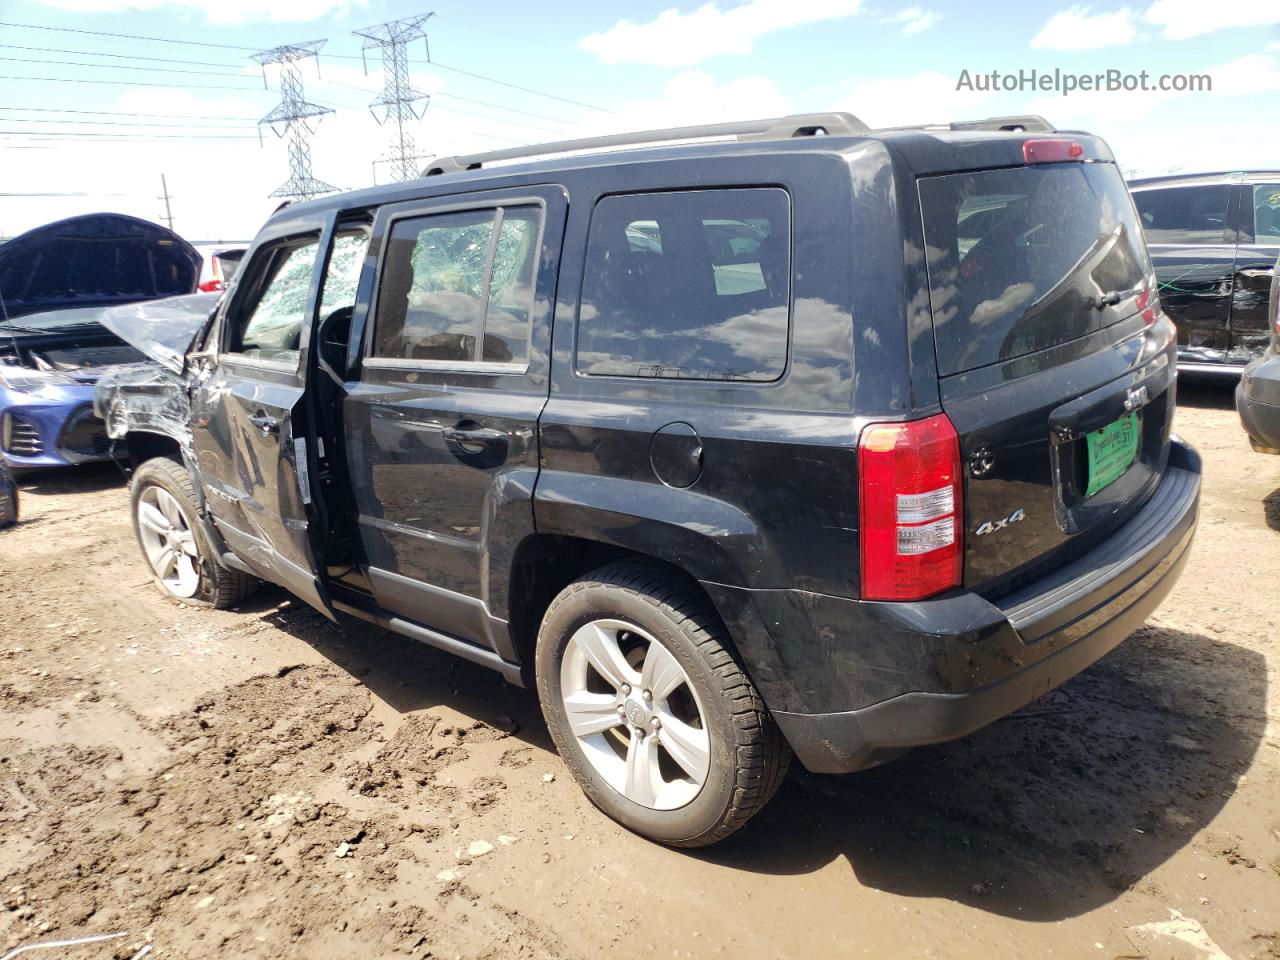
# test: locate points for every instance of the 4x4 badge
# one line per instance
(991, 526)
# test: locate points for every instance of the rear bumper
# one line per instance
(1258, 403)
(1209, 369)
(933, 671)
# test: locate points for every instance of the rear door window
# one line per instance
(687, 285)
(1017, 258)
(458, 287)
(1192, 215)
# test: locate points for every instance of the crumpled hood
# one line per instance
(162, 329)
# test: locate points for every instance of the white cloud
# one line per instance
(913, 19)
(1182, 19)
(674, 39)
(1141, 140)
(1248, 75)
(1080, 28)
(928, 97)
(1100, 111)
(222, 11)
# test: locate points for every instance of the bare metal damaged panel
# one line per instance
(145, 398)
(162, 329)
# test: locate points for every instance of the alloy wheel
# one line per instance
(635, 714)
(168, 541)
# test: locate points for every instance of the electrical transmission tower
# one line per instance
(400, 103)
(292, 118)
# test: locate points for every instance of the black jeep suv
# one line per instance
(1214, 239)
(795, 436)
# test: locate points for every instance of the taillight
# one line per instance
(210, 286)
(909, 480)
(1148, 301)
(1051, 151)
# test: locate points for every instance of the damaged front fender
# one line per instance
(145, 398)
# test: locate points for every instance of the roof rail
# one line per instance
(779, 128)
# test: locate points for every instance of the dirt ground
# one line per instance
(262, 783)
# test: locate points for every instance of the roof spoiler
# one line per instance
(778, 128)
(1026, 123)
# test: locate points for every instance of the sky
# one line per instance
(90, 120)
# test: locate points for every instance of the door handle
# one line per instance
(474, 435)
(265, 423)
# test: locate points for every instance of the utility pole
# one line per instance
(164, 195)
(292, 118)
(401, 103)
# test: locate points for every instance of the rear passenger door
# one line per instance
(702, 387)
(1256, 253)
(442, 421)
(1193, 251)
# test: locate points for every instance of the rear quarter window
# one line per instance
(687, 285)
(1189, 215)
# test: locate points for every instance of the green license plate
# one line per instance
(1111, 450)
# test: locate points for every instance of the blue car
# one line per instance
(49, 363)
(55, 283)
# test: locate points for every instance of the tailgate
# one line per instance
(1051, 366)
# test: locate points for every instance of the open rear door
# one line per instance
(249, 415)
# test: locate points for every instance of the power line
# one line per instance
(124, 36)
(122, 56)
(337, 56)
(509, 122)
(37, 143)
(482, 103)
(132, 83)
(218, 126)
(129, 123)
(123, 66)
(516, 86)
(86, 134)
(117, 113)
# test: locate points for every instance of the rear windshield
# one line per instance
(1022, 259)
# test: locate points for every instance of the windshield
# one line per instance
(1026, 258)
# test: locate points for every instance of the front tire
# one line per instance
(182, 561)
(653, 715)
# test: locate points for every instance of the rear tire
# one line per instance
(178, 554)
(688, 752)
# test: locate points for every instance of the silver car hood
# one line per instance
(162, 329)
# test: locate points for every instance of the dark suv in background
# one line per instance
(1214, 239)
(1258, 393)
(798, 437)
